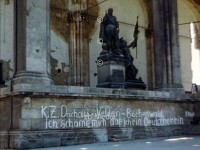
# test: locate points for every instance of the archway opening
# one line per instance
(189, 12)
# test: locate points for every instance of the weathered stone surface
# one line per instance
(52, 142)
(69, 141)
(3, 139)
(111, 73)
(5, 114)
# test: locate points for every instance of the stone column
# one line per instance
(176, 68)
(79, 50)
(32, 42)
(150, 58)
(166, 45)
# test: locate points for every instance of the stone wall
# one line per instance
(6, 40)
(43, 119)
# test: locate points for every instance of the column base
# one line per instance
(29, 77)
(175, 89)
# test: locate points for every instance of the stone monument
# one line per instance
(111, 62)
(115, 66)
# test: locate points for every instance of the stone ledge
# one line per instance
(54, 90)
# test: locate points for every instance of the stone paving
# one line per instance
(173, 143)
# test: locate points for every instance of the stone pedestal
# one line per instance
(135, 84)
(111, 71)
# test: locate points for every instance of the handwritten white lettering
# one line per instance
(189, 114)
(63, 117)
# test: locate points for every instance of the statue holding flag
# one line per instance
(131, 70)
(135, 36)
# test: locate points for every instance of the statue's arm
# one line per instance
(133, 44)
(117, 23)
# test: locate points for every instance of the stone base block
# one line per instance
(111, 72)
(111, 85)
(135, 84)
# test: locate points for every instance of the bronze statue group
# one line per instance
(115, 46)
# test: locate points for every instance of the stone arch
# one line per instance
(147, 8)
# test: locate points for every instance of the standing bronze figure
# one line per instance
(109, 32)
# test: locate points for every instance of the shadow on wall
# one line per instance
(62, 15)
(5, 69)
